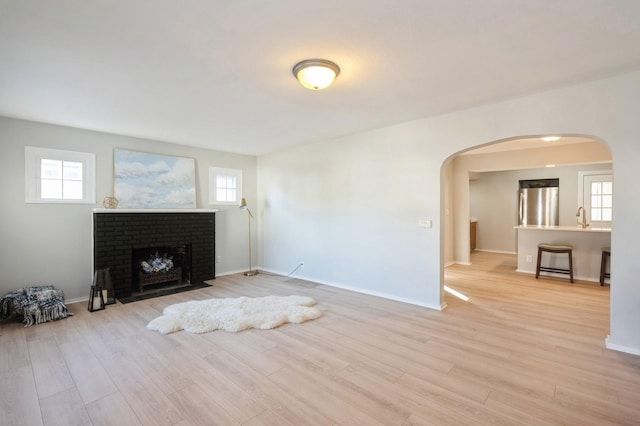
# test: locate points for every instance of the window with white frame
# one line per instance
(225, 186)
(601, 201)
(596, 195)
(57, 176)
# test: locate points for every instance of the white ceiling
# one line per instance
(217, 73)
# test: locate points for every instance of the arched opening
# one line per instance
(492, 171)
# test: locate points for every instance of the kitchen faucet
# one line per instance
(584, 223)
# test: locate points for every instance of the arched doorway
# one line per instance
(570, 153)
(517, 153)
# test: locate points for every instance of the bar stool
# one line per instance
(606, 253)
(555, 248)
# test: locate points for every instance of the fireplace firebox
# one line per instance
(154, 268)
(123, 239)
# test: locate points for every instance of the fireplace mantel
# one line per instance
(155, 210)
(119, 233)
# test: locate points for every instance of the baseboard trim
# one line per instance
(620, 348)
(237, 271)
(440, 307)
(552, 275)
(496, 251)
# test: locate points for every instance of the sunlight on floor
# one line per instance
(456, 293)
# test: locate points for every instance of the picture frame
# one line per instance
(144, 180)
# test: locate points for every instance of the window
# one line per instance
(601, 201)
(596, 195)
(56, 176)
(225, 186)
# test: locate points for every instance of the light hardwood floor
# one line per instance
(519, 351)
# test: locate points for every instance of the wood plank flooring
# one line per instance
(518, 351)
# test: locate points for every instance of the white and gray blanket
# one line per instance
(37, 304)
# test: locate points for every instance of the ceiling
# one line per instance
(217, 74)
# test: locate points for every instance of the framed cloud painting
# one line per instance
(152, 181)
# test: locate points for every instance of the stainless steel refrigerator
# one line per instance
(538, 202)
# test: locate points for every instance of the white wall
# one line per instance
(350, 207)
(493, 199)
(51, 243)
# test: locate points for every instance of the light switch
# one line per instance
(424, 223)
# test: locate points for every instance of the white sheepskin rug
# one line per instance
(202, 316)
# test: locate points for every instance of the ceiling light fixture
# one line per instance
(550, 138)
(316, 74)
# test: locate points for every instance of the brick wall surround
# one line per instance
(116, 235)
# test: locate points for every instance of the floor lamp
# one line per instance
(243, 206)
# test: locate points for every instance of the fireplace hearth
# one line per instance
(123, 239)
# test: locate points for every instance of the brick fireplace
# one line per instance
(122, 237)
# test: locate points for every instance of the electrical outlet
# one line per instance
(301, 265)
(529, 258)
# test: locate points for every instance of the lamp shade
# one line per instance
(316, 74)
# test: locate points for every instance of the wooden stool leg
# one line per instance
(571, 265)
(603, 267)
(538, 263)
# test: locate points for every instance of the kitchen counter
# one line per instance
(587, 248)
(576, 228)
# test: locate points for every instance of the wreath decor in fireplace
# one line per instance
(157, 263)
(158, 269)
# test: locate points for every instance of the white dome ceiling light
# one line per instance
(316, 74)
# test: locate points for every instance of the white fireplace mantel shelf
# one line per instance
(155, 210)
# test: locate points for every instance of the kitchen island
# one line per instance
(587, 249)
